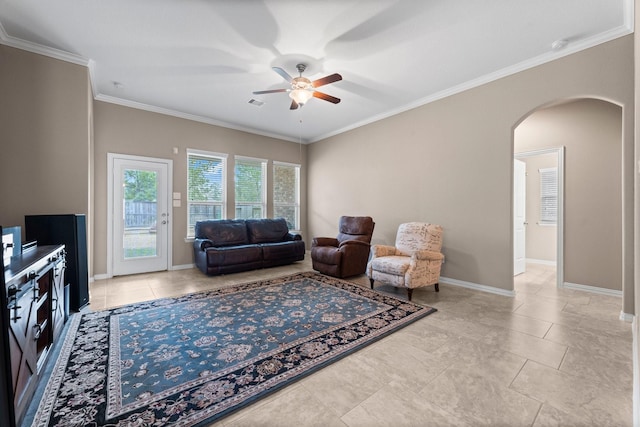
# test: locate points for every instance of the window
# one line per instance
(206, 188)
(286, 193)
(250, 183)
(548, 196)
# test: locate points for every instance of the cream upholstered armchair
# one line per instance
(413, 262)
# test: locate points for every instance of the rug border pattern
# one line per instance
(244, 396)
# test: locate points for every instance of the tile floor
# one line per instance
(548, 357)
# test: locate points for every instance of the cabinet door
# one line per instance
(24, 359)
(57, 299)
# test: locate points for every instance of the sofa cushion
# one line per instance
(223, 232)
(267, 230)
(228, 255)
(397, 265)
(283, 250)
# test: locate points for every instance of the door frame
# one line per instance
(559, 152)
(519, 196)
(110, 203)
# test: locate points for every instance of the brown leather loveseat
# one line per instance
(233, 245)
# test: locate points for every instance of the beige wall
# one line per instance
(591, 132)
(124, 130)
(450, 162)
(540, 239)
(45, 136)
(447, 162)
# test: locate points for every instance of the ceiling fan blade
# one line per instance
(294, 105)
(326, 97)
(326, 80)
(283, 73)
(261, 92)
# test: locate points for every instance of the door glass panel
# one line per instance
(140, 205)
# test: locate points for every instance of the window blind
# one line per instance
(548, 196)
(250, 185)
(286, 193)
(205, 188)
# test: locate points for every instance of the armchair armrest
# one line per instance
(202, 244)
(324, 241)
(382, 250)
(354, 243)
(428, 255)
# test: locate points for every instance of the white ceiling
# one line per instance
(202, 59)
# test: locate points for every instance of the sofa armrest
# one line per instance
(202, 244)
(428, 255)
(382, 250)
(324, 241)
(290, 237)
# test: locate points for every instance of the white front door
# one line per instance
(519, 197)
(140, 222)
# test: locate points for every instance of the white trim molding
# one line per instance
(478, 287)
(188, 116)
(182, 267)
(626, 317)
(592, 289)
(541, 261)
(32, 47)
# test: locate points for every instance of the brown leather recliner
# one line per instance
(346, 255)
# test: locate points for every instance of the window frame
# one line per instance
(296, 205)
(223, 203)
(263, 190)
(548, 180)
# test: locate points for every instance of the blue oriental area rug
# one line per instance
(191, 360)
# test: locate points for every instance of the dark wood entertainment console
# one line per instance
(33, 317)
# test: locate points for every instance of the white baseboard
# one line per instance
(478, 287)
(592, 289)
(626, 317)
(540, 261)
(182, 267)
(173, 267)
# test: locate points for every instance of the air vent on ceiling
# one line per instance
(256, 102)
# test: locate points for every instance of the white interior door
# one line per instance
(140, 215)
(519, 220)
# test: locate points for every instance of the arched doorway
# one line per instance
(589, 255)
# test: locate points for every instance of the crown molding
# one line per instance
(572, 48)
(11, 41)
(629, 14)
(188, 116)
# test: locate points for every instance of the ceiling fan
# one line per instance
(302, 89)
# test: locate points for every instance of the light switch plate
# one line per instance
(177, 196)
(177, 203)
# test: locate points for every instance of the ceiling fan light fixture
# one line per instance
(302, 89)
(301, 96)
